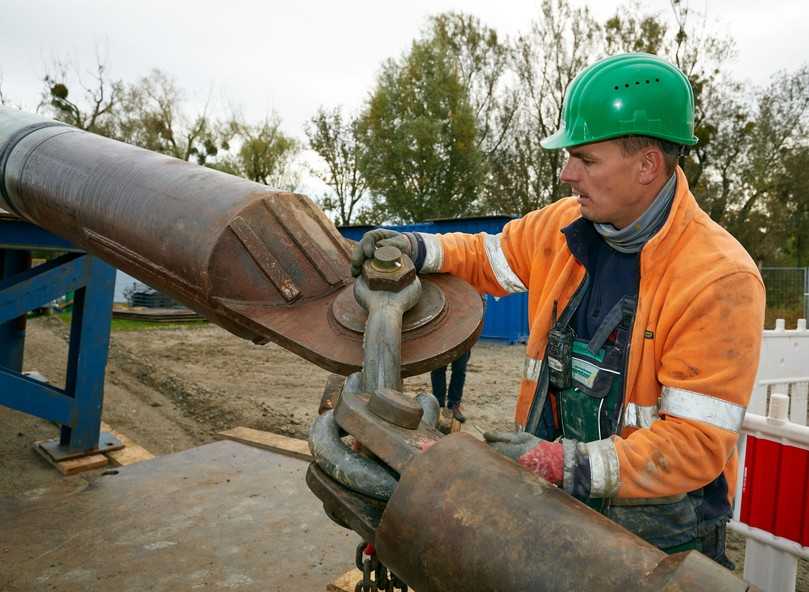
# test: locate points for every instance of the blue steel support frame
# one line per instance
(77, 407)
(12, 332)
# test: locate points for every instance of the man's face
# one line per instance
(606, 182)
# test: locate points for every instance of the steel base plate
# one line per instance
(106, 443)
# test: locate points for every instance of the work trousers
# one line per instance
(438, 378)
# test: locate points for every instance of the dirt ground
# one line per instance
(172, 389)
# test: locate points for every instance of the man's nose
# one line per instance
(568, 174)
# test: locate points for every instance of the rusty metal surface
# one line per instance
(693, 571)
(465, 518)
(348, 466)
(397, 408)
(388, 270)
(264, 265)
(218, 517)
(395, 446)
(347, 508)
(347, 311)
(331, 392)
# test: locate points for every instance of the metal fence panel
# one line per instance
(787, 294)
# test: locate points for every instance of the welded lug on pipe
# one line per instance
(331, 393)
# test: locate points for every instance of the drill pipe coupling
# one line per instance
(389, 270)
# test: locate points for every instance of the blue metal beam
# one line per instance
(78, 407)
(87, 357)
(17, 234)
(12, 331)
(36, 398)
(43, 283)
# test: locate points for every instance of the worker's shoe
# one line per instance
(457, 414)
(445, 420)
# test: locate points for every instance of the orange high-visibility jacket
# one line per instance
(694, 349)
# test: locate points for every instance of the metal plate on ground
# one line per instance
(218, 517)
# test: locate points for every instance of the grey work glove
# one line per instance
(381, 237)
(511, 444)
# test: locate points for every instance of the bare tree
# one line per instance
(153, 117)
(93, 107)
(3, 98)
(559, 45)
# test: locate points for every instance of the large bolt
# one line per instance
(387, 259)
(389, 270)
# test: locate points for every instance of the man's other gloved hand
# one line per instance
(541, 457)
(381, 237)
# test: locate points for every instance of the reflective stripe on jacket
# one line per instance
(695, 341)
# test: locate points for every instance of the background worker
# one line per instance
(452, 400)
(646, 316)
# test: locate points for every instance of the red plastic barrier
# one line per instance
(775, 494)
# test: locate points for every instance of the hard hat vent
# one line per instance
(637, 83)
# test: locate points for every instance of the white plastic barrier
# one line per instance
(771, 508)
(783, 368)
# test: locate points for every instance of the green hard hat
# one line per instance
(633, 94)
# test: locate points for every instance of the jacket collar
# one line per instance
(683, 210)
(580, 233)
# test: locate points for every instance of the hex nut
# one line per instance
(393, 280)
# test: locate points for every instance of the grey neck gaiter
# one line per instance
(631, 239)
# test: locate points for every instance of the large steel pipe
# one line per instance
(266, 265)
(464, 518)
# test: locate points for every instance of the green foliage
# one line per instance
(338, 144)
(264, 154)
(482, 60)
(421, 158)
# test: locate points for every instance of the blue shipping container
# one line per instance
(506, 319)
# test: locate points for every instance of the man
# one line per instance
(645, 315)
(451, 401)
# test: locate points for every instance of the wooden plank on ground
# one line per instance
(130, 453)
(73, 465)
(346, 582)
(276, 442)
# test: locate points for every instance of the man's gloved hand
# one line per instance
(381, 237)
(541, 457)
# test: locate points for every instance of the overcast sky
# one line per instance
(294, 56)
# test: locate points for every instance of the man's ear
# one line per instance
(652, 165)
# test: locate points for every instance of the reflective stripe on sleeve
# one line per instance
(507, 279)
(434, 254)
(531, 368)
(640, 416)
(713, 410)
(605, 472)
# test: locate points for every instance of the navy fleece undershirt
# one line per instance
(613, 275)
